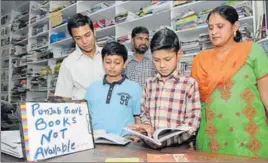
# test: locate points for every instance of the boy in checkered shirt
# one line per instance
(169, 99)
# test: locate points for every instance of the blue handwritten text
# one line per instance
(44, 152)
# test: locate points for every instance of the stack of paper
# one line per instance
(56, 18)
(11, 143)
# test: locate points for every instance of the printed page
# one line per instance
(143, 136)
(169, 135)
(166, 133)
(111, 139)
(11, 137)
(15, 150)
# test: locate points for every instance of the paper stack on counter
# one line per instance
(11, 143)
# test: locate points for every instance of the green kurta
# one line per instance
(233, 118)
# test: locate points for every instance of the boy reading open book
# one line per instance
(114, 102)
(160, 135)
(169, 100)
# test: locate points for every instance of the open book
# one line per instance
(101, 137)
(162, 134)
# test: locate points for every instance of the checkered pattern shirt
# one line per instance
(172, 104)
(140, 71)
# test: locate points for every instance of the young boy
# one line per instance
(169, 99)
(114, 102)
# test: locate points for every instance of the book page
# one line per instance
(143, 136)
(98, 133)
(166, 133)
(111, 139)
(170, 135)
(11, 137)
(13, 149)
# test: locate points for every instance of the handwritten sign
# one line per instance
(54, 129)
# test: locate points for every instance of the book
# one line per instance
(160, 135)
(123, 159)
(102, 137)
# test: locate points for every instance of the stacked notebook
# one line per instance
(11, 143)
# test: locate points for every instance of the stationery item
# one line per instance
(160, 135)
(11, 143)
(56, 18)
(102, 137)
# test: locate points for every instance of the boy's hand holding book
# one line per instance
(133, 138)
(147, 130)
(158, 138)
(142, 128)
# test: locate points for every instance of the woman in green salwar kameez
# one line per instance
(233, 81)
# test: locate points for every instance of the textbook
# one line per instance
(168, 158)
(160, 135)
(102, 137)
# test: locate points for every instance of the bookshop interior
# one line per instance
(134, 81)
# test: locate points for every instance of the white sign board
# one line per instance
(54, 129)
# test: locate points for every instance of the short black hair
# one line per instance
(114, 48)
(230, 14)
(165, 39)
(139, 30)
(78, 20)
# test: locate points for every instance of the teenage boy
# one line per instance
(140, 65)
(169, 99)
(114, 102)
(84, 65)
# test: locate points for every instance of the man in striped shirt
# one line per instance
(140, 65)
(169, 99)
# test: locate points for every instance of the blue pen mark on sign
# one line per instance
(36, 110)
(41, 124)
(52, 134)
(54, 150)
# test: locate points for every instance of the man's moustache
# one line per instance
(143, 46)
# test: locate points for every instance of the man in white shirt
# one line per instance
(84, 65)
